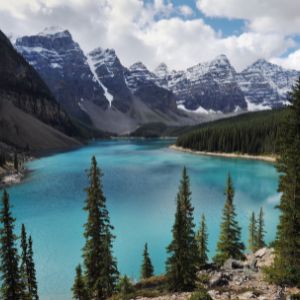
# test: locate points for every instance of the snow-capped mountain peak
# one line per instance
(55, 31)
(161, 70)
(138, 67)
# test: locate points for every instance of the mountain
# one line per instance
(265, 85)
(216, 86)
(109, 72)
(30, 117)
(63, 66)
(208, 86)
(100, 91)
(96, 88)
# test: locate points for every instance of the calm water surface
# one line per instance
(140, 183)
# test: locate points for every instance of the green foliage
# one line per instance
(203, 279)
(260, 230)
(31, 273)
(202, 238)
(10, 276)
(125, 287)
(252, 241)
(295, 297)
(154, 282)
(286, 267)
(230, 244)
(79, 287)
(147, 267)
(252, 133)
(182, 262)
(100, 266)
(24, 265)
(202, 294)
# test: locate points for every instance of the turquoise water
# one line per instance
(140, 183)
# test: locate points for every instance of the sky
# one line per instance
(180, 33)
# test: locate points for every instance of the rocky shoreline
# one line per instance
(266, 158)
(238, 280)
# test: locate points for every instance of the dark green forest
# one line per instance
(252, 133)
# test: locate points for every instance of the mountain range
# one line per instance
(30, 117)
(100, 91)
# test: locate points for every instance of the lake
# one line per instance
(140, 181)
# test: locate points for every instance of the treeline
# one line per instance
(252, 133)
(187, 253)
(17, 271)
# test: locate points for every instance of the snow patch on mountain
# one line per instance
(92, 66)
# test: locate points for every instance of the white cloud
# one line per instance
(263, 15)
(292, 61)
(186, 10)
(148, 32)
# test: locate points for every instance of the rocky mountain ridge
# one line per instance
(31, 118)
(98, 89)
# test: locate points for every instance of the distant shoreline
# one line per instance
(266, 158)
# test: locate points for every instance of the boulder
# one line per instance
(218, 279)
(247, 295)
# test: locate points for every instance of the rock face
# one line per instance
(30, 116)
(109, 72)
(98, 90)
(215, 85)
(63, 66)
(210, 86)
(266, 85)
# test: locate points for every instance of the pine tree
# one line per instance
(147, 267)
(253, 233)
(10, 276)
(286, 267)
(24, 265)
(181, 266)
(202, 237)
(79, 288)
(261, 230)
(100, 266)
(31, 273)
(230, 244)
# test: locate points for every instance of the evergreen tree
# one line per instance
(230, 244)
(147, 267)
(100, 266)
(181, 266)
(125, 287)
(10, 276)
(31, 273)
(286, 267)
(79, 288)
(253, 233)
(261, 230)
(24, 265)
(202, 237)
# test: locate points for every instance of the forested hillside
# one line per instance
(253, 133)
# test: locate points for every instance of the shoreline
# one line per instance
(265, 158)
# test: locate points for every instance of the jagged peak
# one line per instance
(55, 31)
(162, 67)
(262, 65)
(221, 59)
(138, 66)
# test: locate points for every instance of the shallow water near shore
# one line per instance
(140, 182)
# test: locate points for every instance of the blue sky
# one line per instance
(180, 33)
